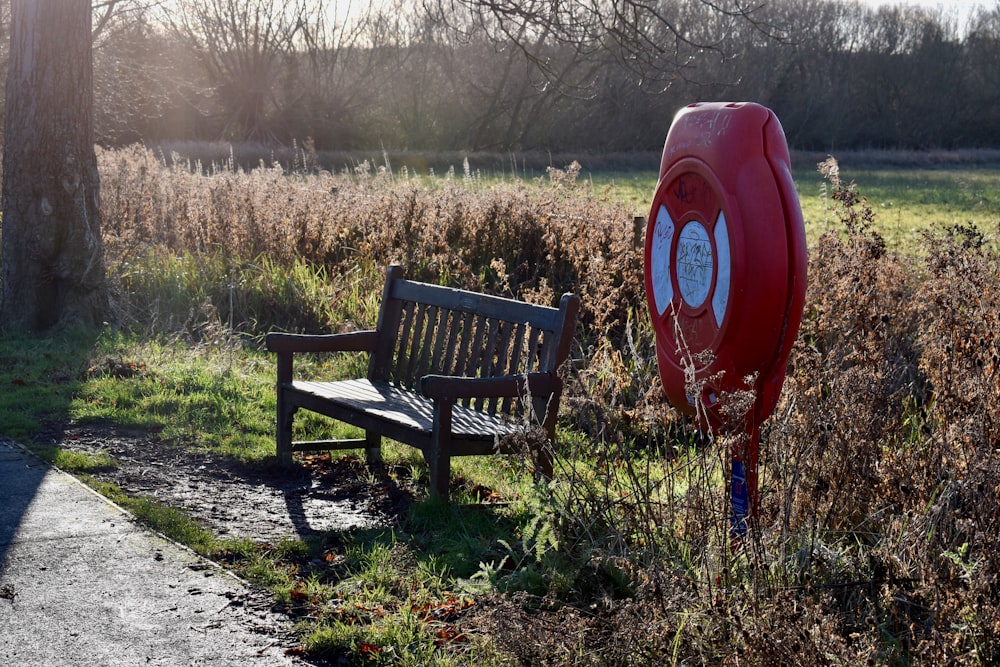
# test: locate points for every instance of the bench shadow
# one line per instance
(342, 495)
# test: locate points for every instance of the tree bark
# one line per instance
(52, 251)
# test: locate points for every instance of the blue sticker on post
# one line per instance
(740, 499)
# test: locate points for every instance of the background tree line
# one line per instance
(483, 75)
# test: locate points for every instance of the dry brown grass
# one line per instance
(516, 238)
(878, 539)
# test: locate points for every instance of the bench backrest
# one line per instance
(445, 331)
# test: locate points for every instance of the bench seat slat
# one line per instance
(404, 408)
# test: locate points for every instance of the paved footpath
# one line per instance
(82, 584)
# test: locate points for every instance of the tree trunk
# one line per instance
(53, 256)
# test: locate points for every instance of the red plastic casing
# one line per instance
(725, 262)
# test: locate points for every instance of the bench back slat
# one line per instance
(486, 359)
(448, 362)
(500, 354)
(472, 350)
(415, 338)
(534, 347)
(389, 315)
(464, 329)
(440, 341)
(473, 358)
(440, 330)
(402, 337)
(426, 346)
(517, 348)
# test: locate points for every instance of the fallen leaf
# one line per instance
(370, 649)
(449, 633)
(299, 592)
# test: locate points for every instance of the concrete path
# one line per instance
(82, 584)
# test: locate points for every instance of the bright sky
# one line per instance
(962, 7)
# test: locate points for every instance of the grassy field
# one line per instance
(907, 201)
(878, 539)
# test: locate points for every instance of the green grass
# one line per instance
(396, 594)
(908, 202)
(217, 398)
(40, 377)
(76, 463)
(635, 188)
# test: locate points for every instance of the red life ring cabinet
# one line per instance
(725, 271)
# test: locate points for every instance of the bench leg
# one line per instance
(440, 472)
(283, 423)
(284, 430)
(373, 447)
(544, 461)
(439, 458)
(546, 447)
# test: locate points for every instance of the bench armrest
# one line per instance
(353, 341)
(457, 387)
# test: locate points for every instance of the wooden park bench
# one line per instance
(449, 373)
